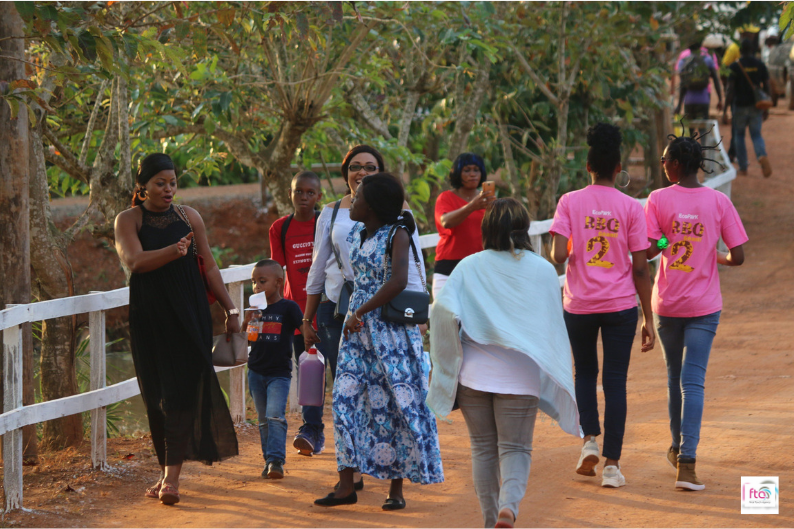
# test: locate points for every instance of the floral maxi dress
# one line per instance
(382, 425)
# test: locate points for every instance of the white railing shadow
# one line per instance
(96, 304)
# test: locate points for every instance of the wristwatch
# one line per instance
(234, 312)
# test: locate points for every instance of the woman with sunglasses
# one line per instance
(603, 226)
(325, 280)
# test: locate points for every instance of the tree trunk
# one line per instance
(466, 113)
(409, 109)
(53, 280)
(277, 173)
(510, 162)
(14, 209)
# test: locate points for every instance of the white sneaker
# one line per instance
(612, 477)
(588, 459)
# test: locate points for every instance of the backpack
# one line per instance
(285, 227)
(695, 72)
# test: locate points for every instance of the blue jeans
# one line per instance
(617, 334)
(686, 344)
(270, 398)
(744, 117)
(330, 332)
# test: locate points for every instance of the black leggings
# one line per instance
(617, 334)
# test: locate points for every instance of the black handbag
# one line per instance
(409, 306)
(343, 303)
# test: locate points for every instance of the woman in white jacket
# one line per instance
(501, 358)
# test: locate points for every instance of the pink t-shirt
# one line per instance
(687, 284)
(605, 226)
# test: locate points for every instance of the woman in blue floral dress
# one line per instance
(382, 425)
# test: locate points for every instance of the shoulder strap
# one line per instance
(316, 216)
(739, 63)
(284, 228)
(387, 252)
(187, 220)
(331, 235)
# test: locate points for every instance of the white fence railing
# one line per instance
(96, 304)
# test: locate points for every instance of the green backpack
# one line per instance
(695, 72)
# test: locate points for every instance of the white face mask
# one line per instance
(258, 300)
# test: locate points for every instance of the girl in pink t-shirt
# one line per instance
(606, 270)
(685, 223)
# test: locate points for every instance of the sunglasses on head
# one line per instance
(356, 167)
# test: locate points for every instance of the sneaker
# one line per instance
(275, 470)
(686, 478)
(305, 441)
(319, 444)
(742, 172)
(588, 458)
(264, 471)
(766, 167)
(672, 457)
(612, 477)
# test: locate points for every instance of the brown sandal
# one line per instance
(154, 492)
(169, 494)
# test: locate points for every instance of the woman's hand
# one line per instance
(481, 201)
(309, 334)
(183, 244)
(352, 324)
(232, 325)
(648, 336)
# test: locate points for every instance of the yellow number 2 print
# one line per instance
(596, 259)
(678, 264)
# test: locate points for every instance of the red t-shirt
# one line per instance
(465, 238)
(297, 256)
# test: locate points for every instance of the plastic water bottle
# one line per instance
(311, 378)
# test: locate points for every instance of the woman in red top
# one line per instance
(459, 214)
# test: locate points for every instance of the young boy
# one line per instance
(270, 364)
(292, 245)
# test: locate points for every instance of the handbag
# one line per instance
(762, 99)
(231, 353)
(343, 303)
(409, 306)
(199, 260)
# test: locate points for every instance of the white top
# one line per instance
(325, 273)
(497, 369)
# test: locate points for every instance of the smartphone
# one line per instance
(489, 187)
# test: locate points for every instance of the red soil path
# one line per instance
(747, 431)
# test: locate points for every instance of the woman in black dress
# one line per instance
(171, 326)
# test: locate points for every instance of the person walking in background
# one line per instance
(500, 350)
(171, 326)
(731, 55)
(458, 215)
(747, 74)
(270, 364)
(601, 284)
(329, 270)
(685, 222)
(291, 245)
(382, 426)
(695, 70)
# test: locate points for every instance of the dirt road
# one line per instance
(747, 430)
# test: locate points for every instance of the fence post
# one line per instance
(12, 395)
(537, 244)
(96, 330)
(237, 374)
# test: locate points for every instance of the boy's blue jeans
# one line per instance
(686, 344)
(330, 332)
(752, 118)
(270, 398)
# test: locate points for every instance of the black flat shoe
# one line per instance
(393, 504)
(331, 501)
(358, 485)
